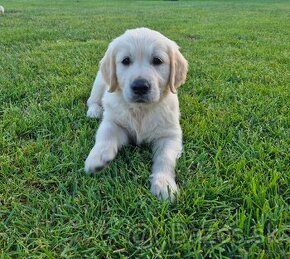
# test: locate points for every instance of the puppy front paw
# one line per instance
(164, 187)
(98, 159)
(95, 111)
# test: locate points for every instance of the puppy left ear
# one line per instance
(178, 68)
(108, 68)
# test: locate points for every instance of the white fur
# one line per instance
(1, 10)
(156, 121)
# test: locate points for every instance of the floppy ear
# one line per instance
(108, 68)
(178, 68)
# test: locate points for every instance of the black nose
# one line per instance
(140, 86)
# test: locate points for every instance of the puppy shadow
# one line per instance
(131, 163)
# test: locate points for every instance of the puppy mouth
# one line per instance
(145, 98)
(140, 99)
(136, 99)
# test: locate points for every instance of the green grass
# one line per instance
(233, 174)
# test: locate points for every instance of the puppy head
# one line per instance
(144, 65)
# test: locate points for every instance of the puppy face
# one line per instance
(144, 65)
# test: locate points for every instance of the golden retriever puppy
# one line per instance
(135, 94)
(1, 10)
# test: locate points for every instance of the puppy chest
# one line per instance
(144, 127)
(140, 127)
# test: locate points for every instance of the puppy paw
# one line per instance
(95, 111)
(98, 159)
(164, 187)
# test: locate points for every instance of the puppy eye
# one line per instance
(157, 61)
(126, 61)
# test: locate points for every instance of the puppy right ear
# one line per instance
(108, 68)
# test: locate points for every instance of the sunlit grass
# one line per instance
(233, 174)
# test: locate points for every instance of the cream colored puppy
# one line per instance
(135, 94)
(1, 10)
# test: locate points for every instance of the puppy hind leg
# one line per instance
(109, 139)
(94, 102)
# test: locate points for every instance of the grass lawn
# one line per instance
(234, 172)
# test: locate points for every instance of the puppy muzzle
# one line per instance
(140, 89)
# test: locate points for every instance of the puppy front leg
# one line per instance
(94, 102)
(166, 151)
(110, 137)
